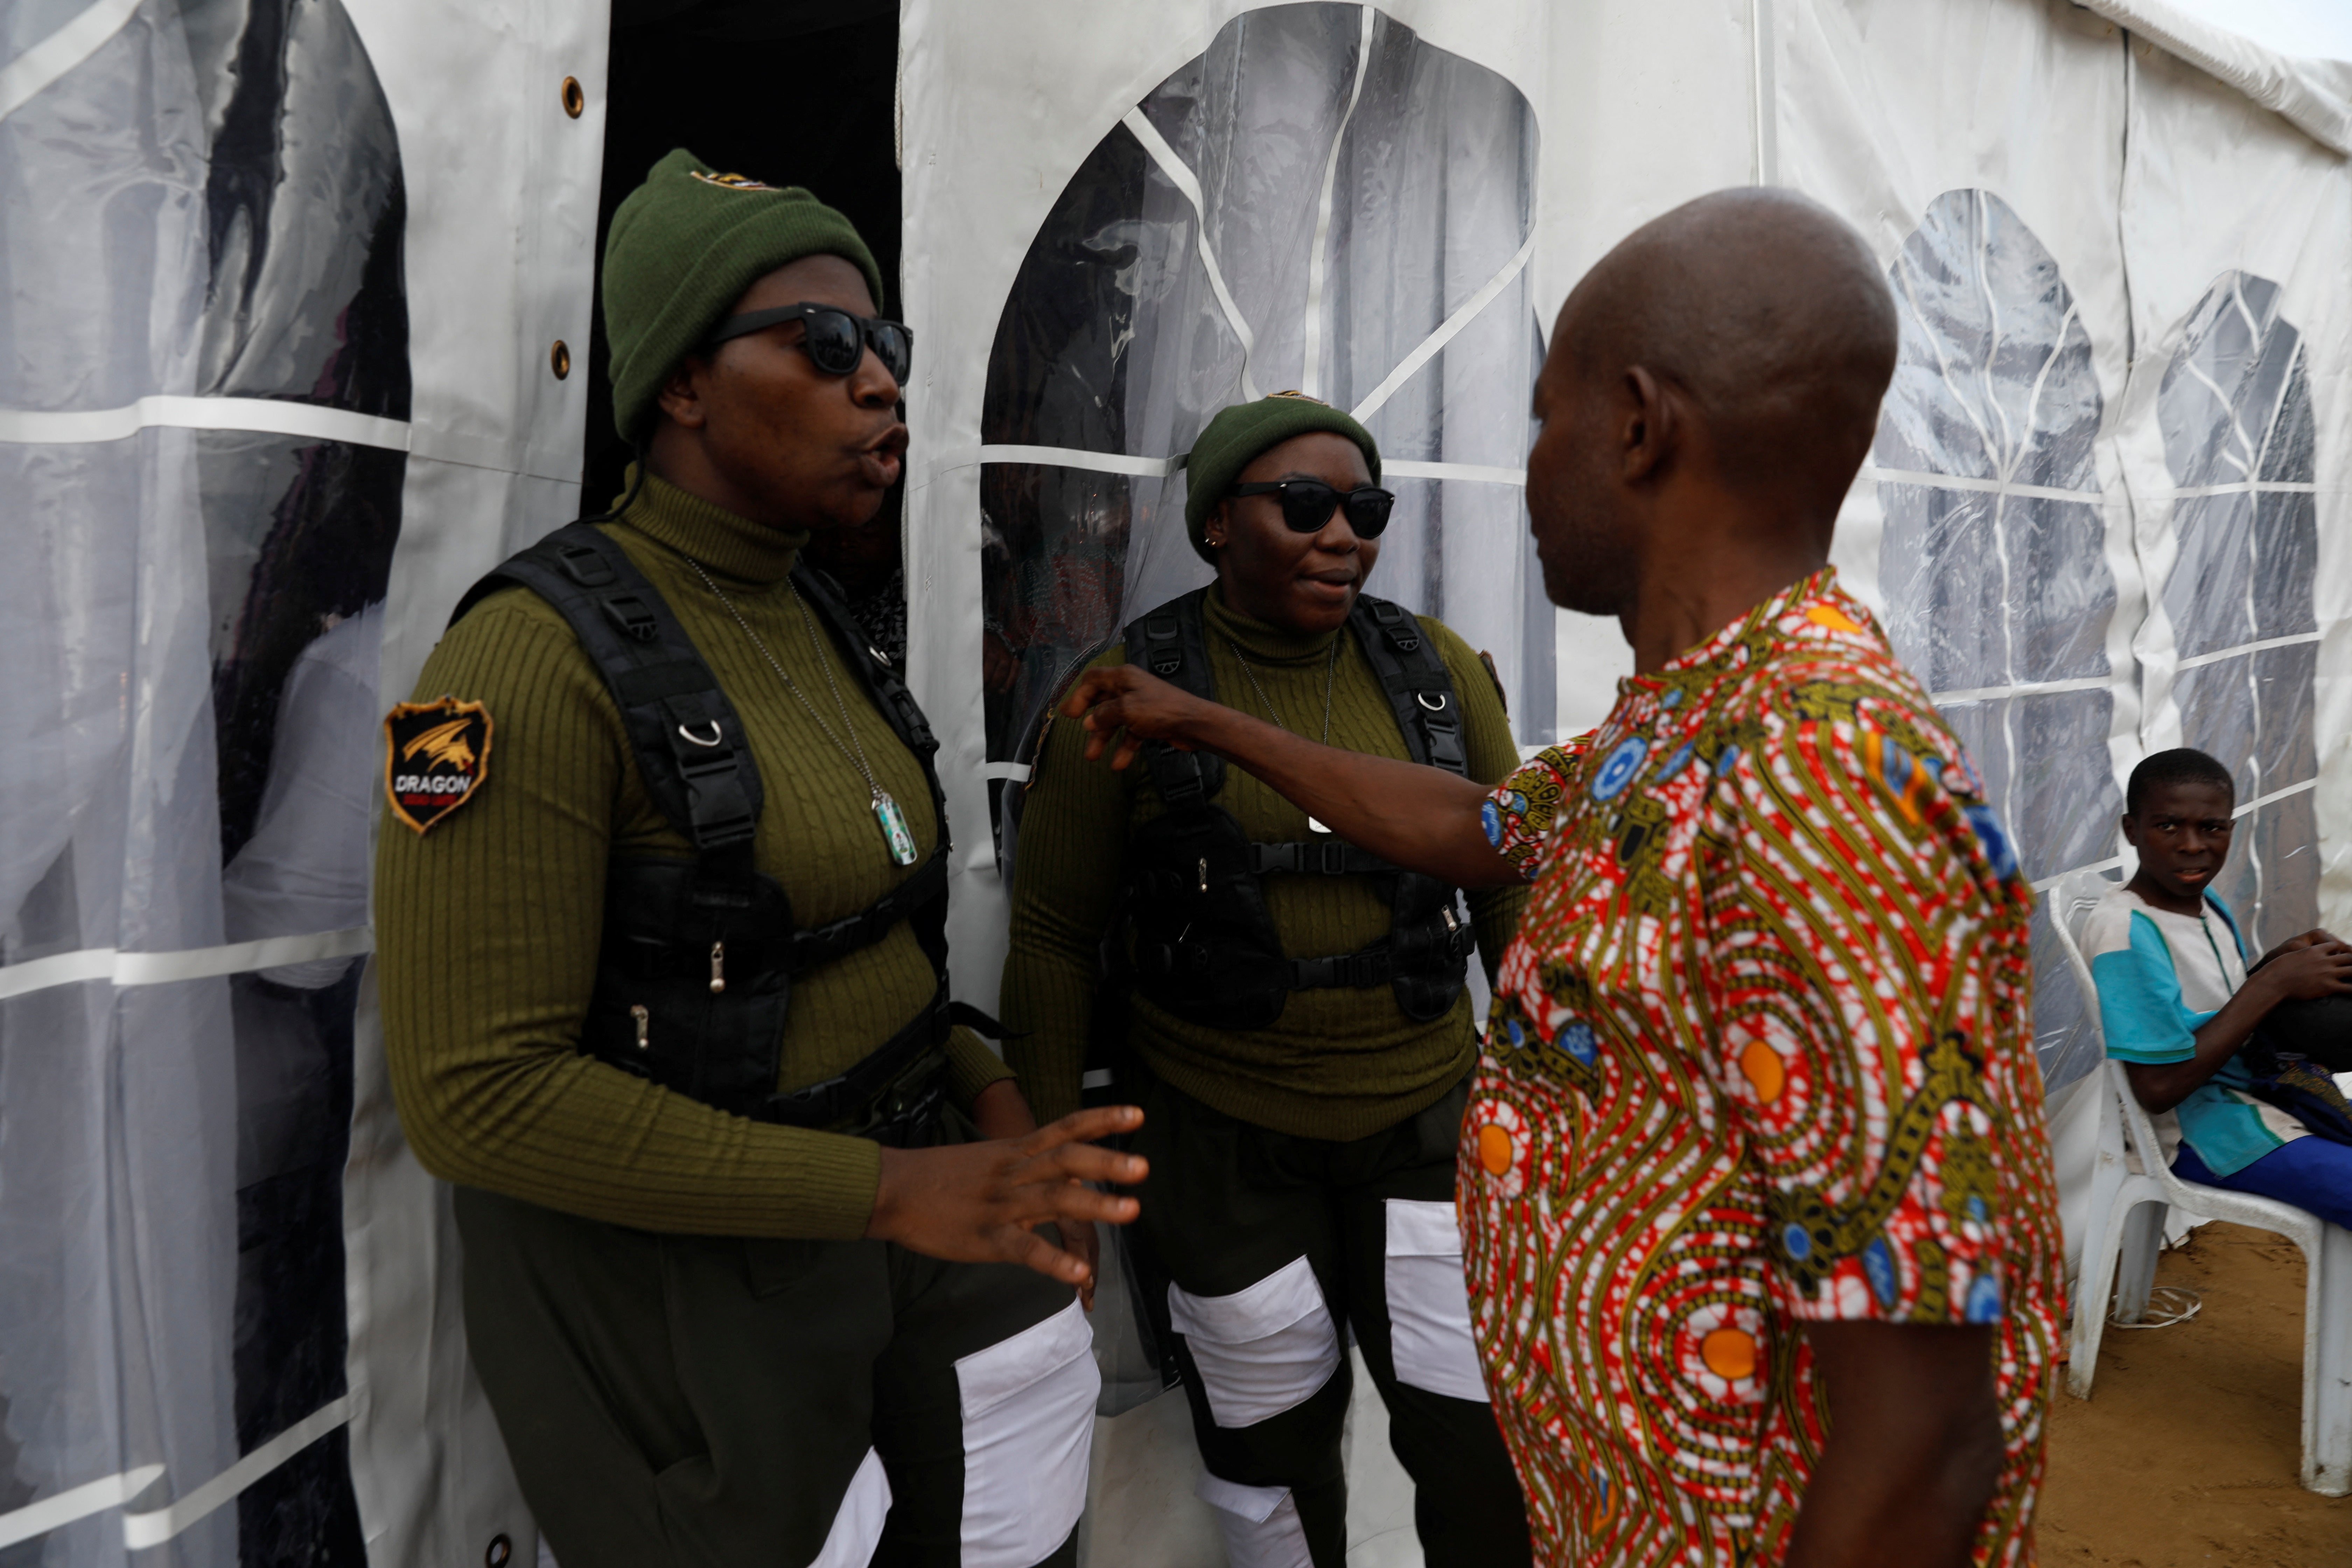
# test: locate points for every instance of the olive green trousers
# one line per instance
(707, 1402)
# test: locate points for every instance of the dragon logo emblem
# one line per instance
(435, 758)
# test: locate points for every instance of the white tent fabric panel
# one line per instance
(2156, 238)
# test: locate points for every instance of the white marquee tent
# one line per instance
(278, 280)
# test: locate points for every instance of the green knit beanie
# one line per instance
(1235, 437)
(683, 248)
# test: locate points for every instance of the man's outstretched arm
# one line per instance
(1421, 819)
(1914, 1451)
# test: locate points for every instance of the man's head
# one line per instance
(753, 423)
(1732, 352)
(1303, 578)
(2177, 814)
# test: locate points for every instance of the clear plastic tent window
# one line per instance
(2235, 410)
(1994, 563)
(1320, 201)
(206, 205)
(1993, 559)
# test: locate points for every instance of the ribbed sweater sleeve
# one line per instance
(1063, 899)
(488, 931)
(1493, 757)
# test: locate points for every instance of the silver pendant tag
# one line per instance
(894, 829)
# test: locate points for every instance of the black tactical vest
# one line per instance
(695, 972)
(1203, 946)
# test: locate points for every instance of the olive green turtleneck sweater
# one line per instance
(1339, 1063)
(488, 926)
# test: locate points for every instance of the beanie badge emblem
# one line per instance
(1300, 397)
(731, 182)
(435, 757)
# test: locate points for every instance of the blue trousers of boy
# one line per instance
(2310, 1173)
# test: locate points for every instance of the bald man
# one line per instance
(1759, 1217)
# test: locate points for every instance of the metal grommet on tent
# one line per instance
(575, 98)
(559, 359)
(501, 1552)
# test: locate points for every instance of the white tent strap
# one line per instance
(78, 1502)
(2028, 688)
(1870, 475)
(1311, 375)
(2217, 655)
(140, 1530)
(1447, 329)
(1182, 178)
(1160, 467)
(26, 77)
(265, 415)
(126, 969)
(2248, 809)
(2115, 862)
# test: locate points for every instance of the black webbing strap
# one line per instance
(923, 897)
(1171, 642)
(691, 747)
(1317, 856)
(1418, 689)
(823, 1104)
(822, 944)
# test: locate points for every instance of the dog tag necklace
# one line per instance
(893, 820)
(1329, 671)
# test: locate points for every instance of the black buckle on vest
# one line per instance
(1348, 970)
(1402, 631)
(584, 566)
(629, 615)
(1162, 651)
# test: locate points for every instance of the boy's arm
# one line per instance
(2317, 969)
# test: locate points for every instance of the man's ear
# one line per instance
(679, 397)
(1649, 427)
(2131, 828)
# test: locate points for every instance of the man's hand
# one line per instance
(1125, 705)
(977, 1203)
(2296, 943)
(1914, 1451)
(1424, 819)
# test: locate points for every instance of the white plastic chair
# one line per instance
(2129, 1197)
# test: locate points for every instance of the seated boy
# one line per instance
(2177, 1001)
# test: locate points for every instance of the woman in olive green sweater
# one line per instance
(1289, 1014)
(744, 1235)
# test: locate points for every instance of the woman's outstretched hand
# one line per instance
(980, 1203)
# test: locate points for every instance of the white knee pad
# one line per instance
(857, 1525)
(1260, 1350)
(1028, 1423)
(1429, 1302)
(1259, 1524)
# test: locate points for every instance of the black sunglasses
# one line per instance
(837, 339)
(1307, 504)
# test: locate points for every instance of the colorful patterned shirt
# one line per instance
(1762, 1054)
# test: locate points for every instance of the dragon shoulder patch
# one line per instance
(434, 759)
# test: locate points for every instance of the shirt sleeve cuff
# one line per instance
(971, 1067)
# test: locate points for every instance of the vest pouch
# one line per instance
(1431, 953)
(693, 979)
(1202, 944)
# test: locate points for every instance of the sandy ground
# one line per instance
(2186, 1454)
